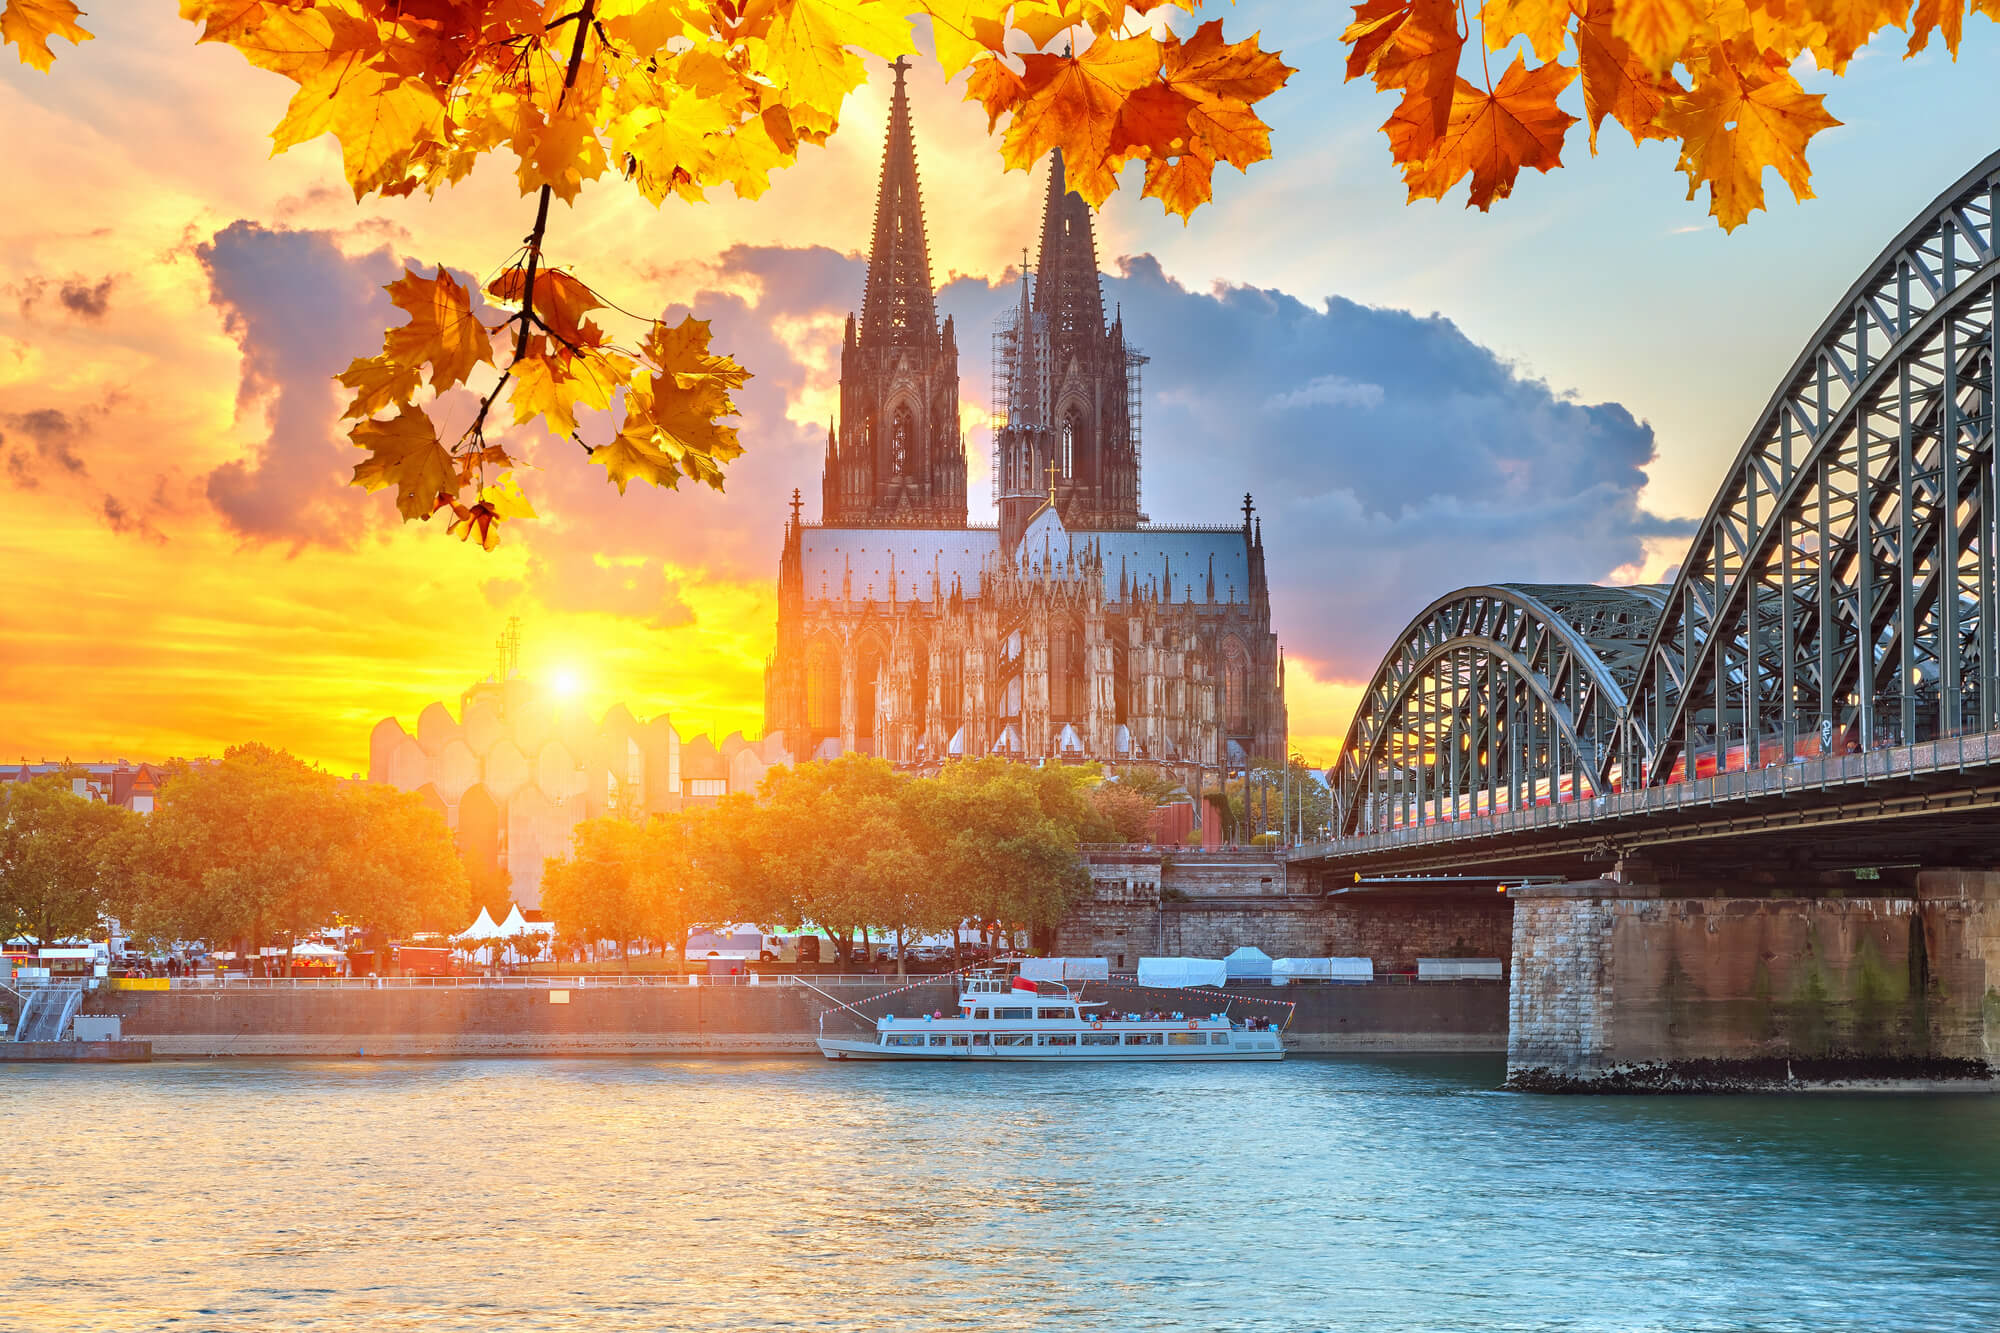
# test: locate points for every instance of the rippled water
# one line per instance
(1316, 1194)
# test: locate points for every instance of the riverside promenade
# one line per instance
(775, 1015)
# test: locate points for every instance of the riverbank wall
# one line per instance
(728, 1020)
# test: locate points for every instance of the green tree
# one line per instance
(1002, 838)
(395, 870)
(241, 850)
(1126, 808)
(598, 892)
(60, 856)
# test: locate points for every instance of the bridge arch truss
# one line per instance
(1494, 698)
(1842, 592)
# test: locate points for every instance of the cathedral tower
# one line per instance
(1072, 386)
(897, 457)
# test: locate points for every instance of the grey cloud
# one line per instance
(86, 301)
(300, 310)
(53, 432)
(124, 521)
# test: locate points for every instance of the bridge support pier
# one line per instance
(1634, 986)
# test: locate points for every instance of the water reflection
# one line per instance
(1319, 1194)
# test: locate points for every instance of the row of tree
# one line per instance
(853, 848)
(256, 849)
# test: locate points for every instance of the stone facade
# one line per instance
(1072, 630)
(1609, 975)
(1206, 904)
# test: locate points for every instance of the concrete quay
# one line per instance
(725, 1021)
(75, 1052)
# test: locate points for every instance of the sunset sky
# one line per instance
(1420, 397)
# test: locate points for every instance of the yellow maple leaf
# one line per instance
(964, 30)
(1658, 32)
(551, 383)
(1745, 112)
(377, 382)
(808, 45)
(1545, 23)
(29, 24)
(442, 330)
(563, 153)
(1492, 136)
(404, 453)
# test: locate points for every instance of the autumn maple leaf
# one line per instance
(1492, 136)
(404, 453)
(1744, 113)
(1412, 45)
(29, 24)
(1074, 103)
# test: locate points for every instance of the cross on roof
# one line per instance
(1052, 481)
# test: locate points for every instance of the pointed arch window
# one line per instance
(1235, 685)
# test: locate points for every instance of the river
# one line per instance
(1384, 1193)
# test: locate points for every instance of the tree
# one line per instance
(1713, 76)
(1003, 840)
(240, 849)
(395, 870)
(682, 870)
(1127, 809)
(597, 891)
(59, 857)
(677, 97)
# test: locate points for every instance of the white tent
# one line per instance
(1066, 969)
(1322, 969)
(1173, 972)
(514, 925)
(1248, 963)
(482, 928)
(312, 949)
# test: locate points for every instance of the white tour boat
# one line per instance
(1005, 1018)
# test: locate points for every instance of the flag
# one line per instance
(1022, 983)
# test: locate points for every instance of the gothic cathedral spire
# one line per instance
(897, 458)
(1078, 379)
(899, 308)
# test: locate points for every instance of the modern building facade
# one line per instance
(1074, 628)
(516, 770)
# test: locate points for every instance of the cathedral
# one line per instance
(1074, 629)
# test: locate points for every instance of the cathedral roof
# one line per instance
(860, 559)
(1197, 564)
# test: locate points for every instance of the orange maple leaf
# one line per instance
(1074, 103)
(1492, 136)
(29, 24)
(442, 330)
(1413, 45)
(1617, 83)
(404, 453)
(1744, 113)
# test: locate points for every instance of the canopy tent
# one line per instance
(1168, 973)
(1322, 969)
(1066, 969)
(313, 949)
(482, 928)
(1248, 963)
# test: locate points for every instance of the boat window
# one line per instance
(982, 1038)
(1185, 1039)
(1218, 1038)
(1059, 1039)
(1055, 1013)
(979, 1013)
(1267, 1045)
(1013, 1039)
(955, 1039)
(1100, 1039)
(1013, 1013)
(1142, 1039)
(903, 1039)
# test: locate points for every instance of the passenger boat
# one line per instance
(1009, 1018)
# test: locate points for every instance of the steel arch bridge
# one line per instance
(1840, 593)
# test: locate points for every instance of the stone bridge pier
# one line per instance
(1683, 983)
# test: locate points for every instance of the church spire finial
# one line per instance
(899, 308)
(1066, 286)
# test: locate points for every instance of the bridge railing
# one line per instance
(1886, 763)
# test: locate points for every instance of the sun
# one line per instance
(566, 683)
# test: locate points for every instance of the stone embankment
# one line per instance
(762, 1020)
